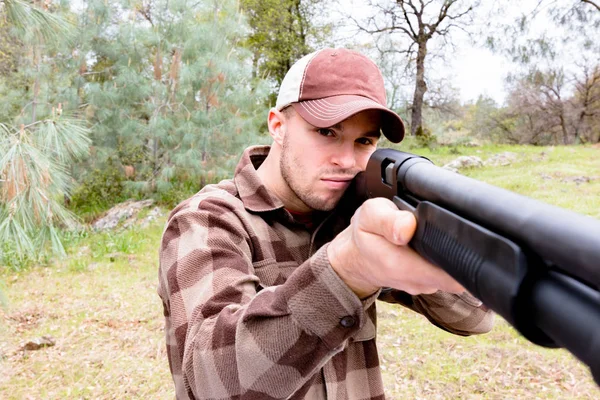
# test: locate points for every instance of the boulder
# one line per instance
(123, 212)
(464, 162)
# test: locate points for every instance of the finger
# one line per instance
(417, 290)
(430, 275)
(403, 268)
(381, 217)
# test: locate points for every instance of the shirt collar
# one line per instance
(252, 191)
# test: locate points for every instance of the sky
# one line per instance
(477, 71)
(473, 69)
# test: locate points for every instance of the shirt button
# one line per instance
(347, 321)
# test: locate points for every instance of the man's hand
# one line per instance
(373, 252)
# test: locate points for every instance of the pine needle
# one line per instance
(31, 19)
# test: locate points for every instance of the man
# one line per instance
(269, 280)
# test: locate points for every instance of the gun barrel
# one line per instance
(569, 313)
(564, 238)
(535, 264)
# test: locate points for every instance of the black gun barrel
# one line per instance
(561, 237)
(535, 264)
(569, 313)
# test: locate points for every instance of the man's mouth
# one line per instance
(337, 182)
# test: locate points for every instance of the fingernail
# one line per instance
(399, 224)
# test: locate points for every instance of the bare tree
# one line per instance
(587, 105)
(570, 29)
(549, 111)
(416, 22)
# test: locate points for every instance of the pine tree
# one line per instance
(39, 138)
(171, 93)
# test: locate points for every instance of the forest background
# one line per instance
(103, 101)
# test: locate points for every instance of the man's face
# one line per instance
(318, 164)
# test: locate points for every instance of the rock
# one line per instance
(464, 162)
(121, 212)
(152, 215)
(501, 159)
(36, 344)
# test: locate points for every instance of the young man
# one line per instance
(269, 280)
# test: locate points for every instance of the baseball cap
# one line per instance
(330, 85)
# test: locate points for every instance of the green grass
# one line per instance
(423, 362)
(101, 307)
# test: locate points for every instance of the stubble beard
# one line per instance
(303, 193)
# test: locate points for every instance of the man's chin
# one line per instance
(323, 204)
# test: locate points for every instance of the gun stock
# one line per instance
(536, 265)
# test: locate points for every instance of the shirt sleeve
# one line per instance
(460, 314)
(227, 338)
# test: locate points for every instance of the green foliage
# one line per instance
(425, 138)
(34, 180)
(166, 88)
(34, 23)
(9, 49)
(40, 135)
(485, 120)
(281, 32)
(171, 94)
(183, 189)
(107, 246)
(99, 189)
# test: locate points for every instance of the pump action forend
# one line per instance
(536, 265)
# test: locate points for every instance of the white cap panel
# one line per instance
(289, 91)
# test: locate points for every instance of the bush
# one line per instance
(183, 187)
(425, 138)
(99, 190)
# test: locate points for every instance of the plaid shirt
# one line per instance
(254, 310)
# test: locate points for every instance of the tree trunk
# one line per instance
(420, 88)
(563, 128)
(579, 126)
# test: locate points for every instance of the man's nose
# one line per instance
(345, 156)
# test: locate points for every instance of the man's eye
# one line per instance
(365, 141)
(326, 132)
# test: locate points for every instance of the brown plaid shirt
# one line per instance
(254, 310)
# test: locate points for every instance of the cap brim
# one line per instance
(329, 111)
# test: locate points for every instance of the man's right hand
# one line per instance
(373, 252)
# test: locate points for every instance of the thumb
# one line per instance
(380, 216)
(405, 225)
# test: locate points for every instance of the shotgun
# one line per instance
(534, 264)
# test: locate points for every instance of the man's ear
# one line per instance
(277, 125)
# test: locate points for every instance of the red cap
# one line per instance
(330, 85)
